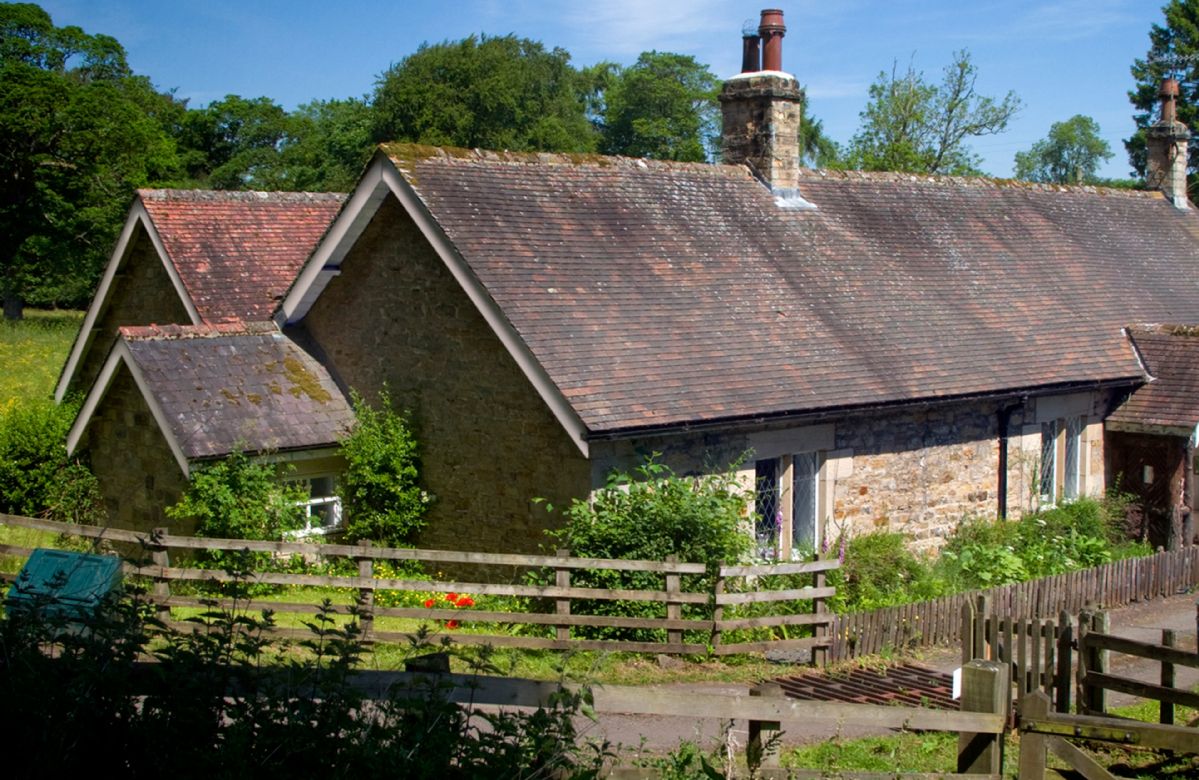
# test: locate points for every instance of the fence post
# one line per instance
(1092, 698)
(1065, 662)
(762, 749)
(983, 632)
(562, 605)
(820, 653)
(366, 593)
(985, 688)
(1033, 746)
(1167, 708)
(674, 610)
(968, 618)
(162, 586)
(717, 608)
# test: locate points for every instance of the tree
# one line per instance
(1173, 51)
(78, 132)
(816, 150)
(912, 125)
(235, 144)
(491, 93)
(329, 144)
(663, 107)
(1070, 154)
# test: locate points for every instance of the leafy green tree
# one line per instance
(486, 92)
(915, 126)
(1070, 154)
(329, 144)
(816, 150)
(381, 491)
(1173, 51)
(78, 132)
(663, 107)
(235, 144)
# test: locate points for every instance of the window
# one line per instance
(323, 505)
(787, 504)
(1061, 473)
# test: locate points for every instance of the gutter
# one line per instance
(831, 412)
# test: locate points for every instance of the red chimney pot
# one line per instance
(751, 53)
(772, 30)
(1168, 94)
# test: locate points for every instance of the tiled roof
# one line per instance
(1171, 400)
(228, 387)
(659, 294)
(237, 252)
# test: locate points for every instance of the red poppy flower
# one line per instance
(465, 601)
(429, 603)
(451, 597)
(451, 624)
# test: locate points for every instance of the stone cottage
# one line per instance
(869, 350)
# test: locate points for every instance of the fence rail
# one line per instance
(938, 622)
(694, 618)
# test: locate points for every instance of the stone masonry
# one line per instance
(142, 294)
(762, 113)
(489, 444)
(133, 461)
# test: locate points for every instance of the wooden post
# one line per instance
(985, 688)
(1065, 653)
(762, 749)
(366, 593)
(1033, 746)
(1167, 708)
(820, 654)
(1092, 698)
(162, 586)
(717, 608)
(968, 632)
(562, 605)
(674, 610)
(982, 631)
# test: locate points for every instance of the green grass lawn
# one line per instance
(33, 351)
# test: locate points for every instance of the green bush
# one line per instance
(878, 570)
(648, 515)
(238, 498)
(36, 475)
(380, 489)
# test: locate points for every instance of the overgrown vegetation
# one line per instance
(380, 489)
(36, 475)
(651, 514)
(32, 351)
(87, 706)
(880, 571)
(239, 498)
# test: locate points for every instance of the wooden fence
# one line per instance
(699, 611)
(938, 622)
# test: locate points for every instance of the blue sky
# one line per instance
(1062, 57)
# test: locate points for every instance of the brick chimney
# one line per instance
(1166, 143)
(762, 109)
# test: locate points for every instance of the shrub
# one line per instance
(648, 515)
(36, 475)
(381, 489)
(237, 498)
(878, 570)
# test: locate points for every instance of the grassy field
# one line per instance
(33, 351)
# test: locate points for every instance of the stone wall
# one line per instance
(489, 444)
(918, 472)
(129, 455)
(141, 294)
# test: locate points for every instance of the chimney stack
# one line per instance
(762, 109)
(1166, 144)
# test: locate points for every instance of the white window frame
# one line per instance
(780, 542)
(316, 523)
